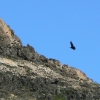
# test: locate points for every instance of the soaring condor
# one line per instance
(72, 46)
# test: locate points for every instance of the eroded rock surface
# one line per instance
(27, 75)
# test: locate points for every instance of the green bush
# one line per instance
(69, 91)
(59, 97)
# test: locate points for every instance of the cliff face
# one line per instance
(27, 75)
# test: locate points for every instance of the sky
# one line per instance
(50, 25)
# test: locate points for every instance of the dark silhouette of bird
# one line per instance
(72, 46)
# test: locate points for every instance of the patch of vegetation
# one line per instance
(59, 97)
(28, 70)
(69, 91)
(44, 92)
(1, 73)
(9, 57)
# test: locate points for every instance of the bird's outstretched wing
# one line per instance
(71, 44)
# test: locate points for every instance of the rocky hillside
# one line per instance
(27, 75)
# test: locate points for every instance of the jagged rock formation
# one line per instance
(27, 75)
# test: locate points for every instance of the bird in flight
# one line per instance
(72, 46)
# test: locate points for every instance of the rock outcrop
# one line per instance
(27, 75)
